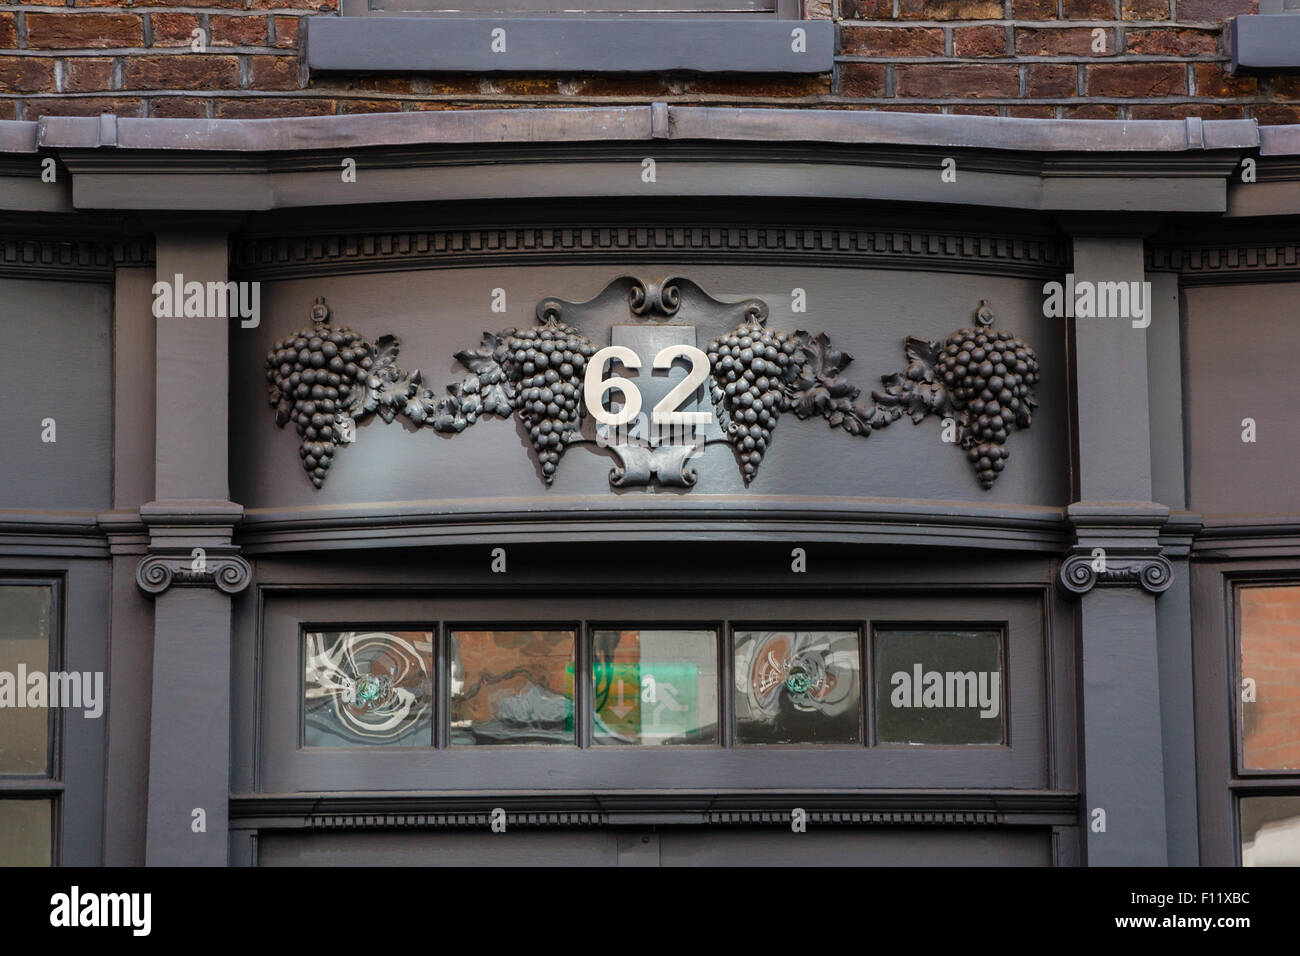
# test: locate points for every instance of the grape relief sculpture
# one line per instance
(326, 379)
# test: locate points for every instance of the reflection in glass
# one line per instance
(26, 612)
(655, 687)
(369, 688)
(797, 687)
(512, 687)
(1270, 831)
(938, 687)
(1270, 702)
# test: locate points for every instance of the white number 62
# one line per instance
(666, 412)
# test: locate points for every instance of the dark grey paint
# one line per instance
(1265, 42)
(1239, 366)
(867, 313)
(189, 739)
(667, 846)
(57, 363)
(447, 45)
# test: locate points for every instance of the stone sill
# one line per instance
(1266, 42)
(565, 45)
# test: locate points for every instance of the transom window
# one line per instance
(455, 686)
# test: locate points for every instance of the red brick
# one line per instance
(862, 79)
(181, 71)
(215, 4)
(909, 108)
(867, 9)
(1213, 80)
(622, 86)
(370, 106)
(979, 41)
(238, 31)
(8, 31)
(273, 72)
(527, 85)
(321, 6)
(1032, 112)
(83, 3)
(1136, 79)
(178, 107)
(1167, 42)
(950, 9)
(389, 84)
(967, 109)
(9, 109)
(286, 32)
(26, 74)
(81, 31)
(173, 29)
(1074, 42)
(1209, 111)
(816, 9)
(1033, 9)
(955, 79)
(892, 41)
(266, 107)
(741, 86)
(1144, 9)
(1209, 11)
(1286, 87)
(85, 106)
(1052, 79)
(1091, 111)
(87, 74)
(1088, 9)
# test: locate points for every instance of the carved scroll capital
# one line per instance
(226, 572)
(1081, 572)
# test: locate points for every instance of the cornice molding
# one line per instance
(1222, 263)
(595, 808)
(344, 253)
(577, 519)
(85, 260)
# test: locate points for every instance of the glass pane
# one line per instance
(512, 687)
(938, 687)
(25, 615)
(368, 688)
(1270, 671)
(1270, 831)
(797, 687)
(25, 832)
(655, 687)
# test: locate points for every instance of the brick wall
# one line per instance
(1270, 644)
(1118, 59)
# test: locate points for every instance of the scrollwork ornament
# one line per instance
(228, 573)
(1079, 573)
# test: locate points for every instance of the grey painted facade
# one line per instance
(1119, 682)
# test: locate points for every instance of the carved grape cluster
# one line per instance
(752, 367)
(314, 375)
